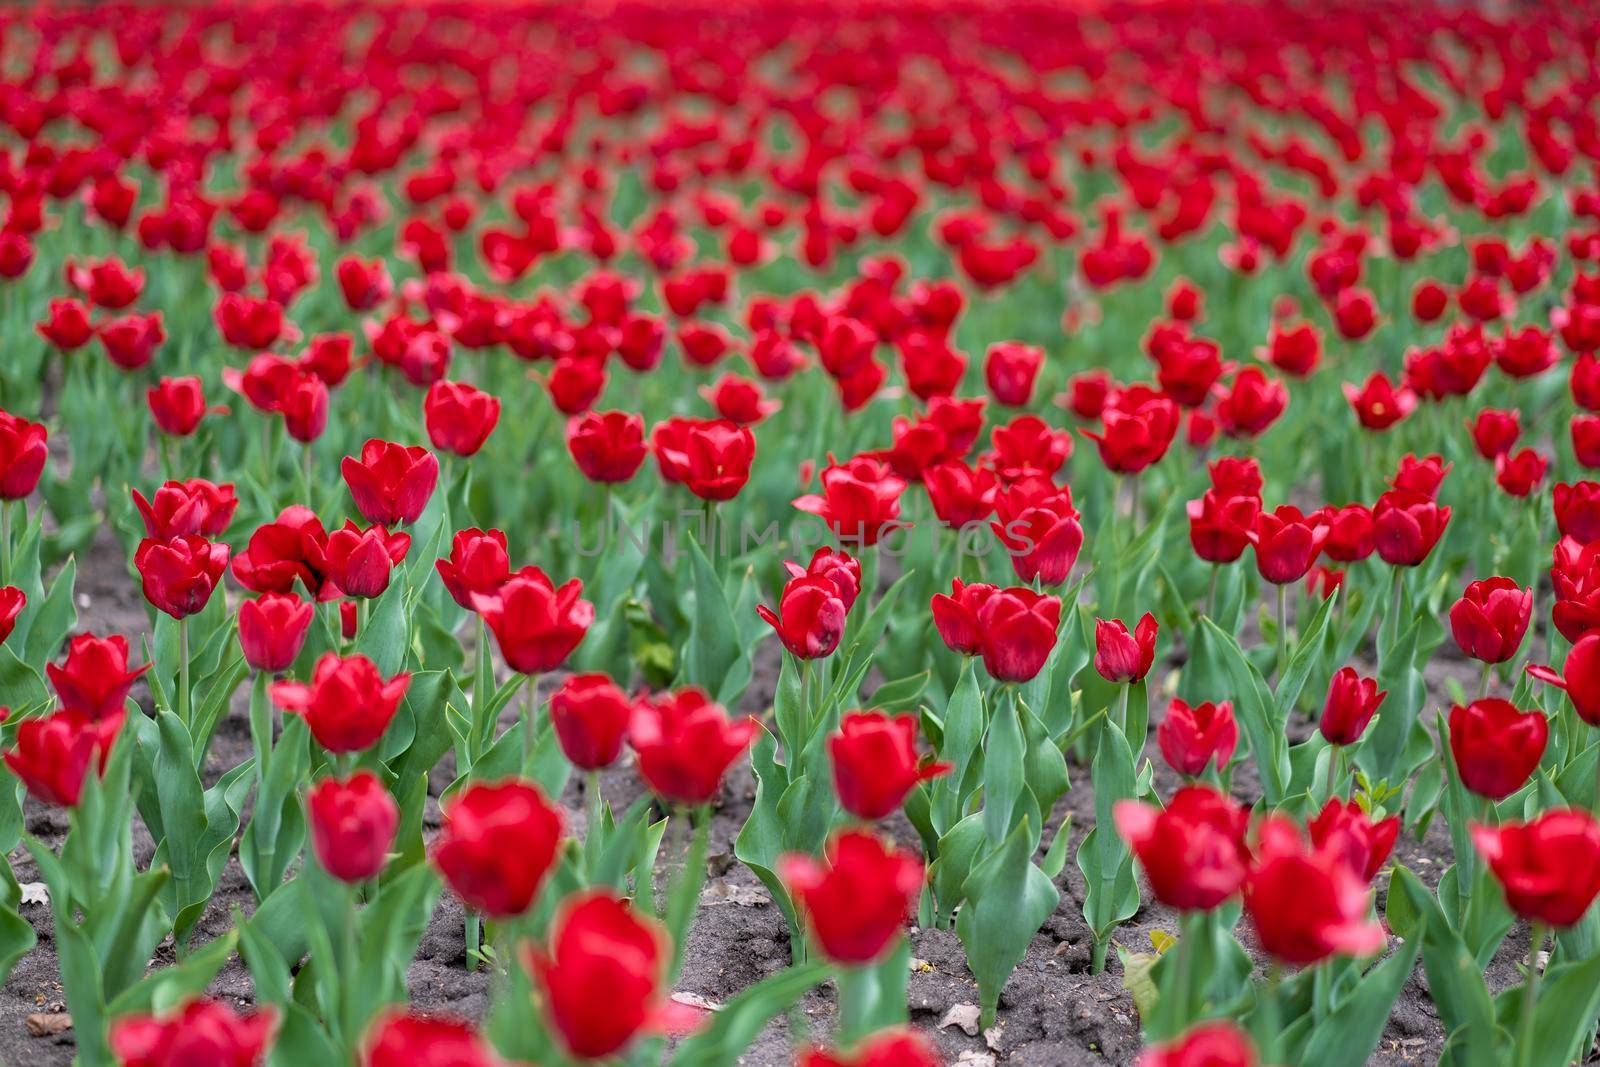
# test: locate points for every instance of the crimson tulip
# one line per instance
(1491, 618)
(53, 755)
(1352, 701)
(1406, 526)
(535, 624)
(859, 499)
(1579, 677)
(1496, 746)
(855, 900)
(810, 617)
(22, 455)
(477, 565)
(1549, 866)
(886, 1048)
(289, 550)
(202, 1031)
(359, 562)
(179, 575)
(875, 763)
(273, 629)
(498, 843)
(838, 567)
(1010, 369)
(686, 743)
(1211, 1044)
(186, 509)
(1193, 738)
(1039, 528)
(1193, 851)
(347, 704)
(955, 616)
(1307, 904)
(353, 823)
(1017, 632)
(1123, 657)
(391, 483)
(1344, 828)
(591, 718)
(400, 1039)
(458, 417)
(607, 446)
(1287, 543)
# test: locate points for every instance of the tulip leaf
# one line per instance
(760, 841)
(899, 694)
(387, 632)
(725, 1039)
(16, 939)
(1569, 1000)
(963, 732)
(21, 687)
(1305, 657)
(1008, 900)
(1110, 893)
(1455, 982)
(1003, 768)
(53, 619)
(1348, 1036)
(1254, 705)
(712, 649)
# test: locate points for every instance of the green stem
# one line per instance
(184, 698)
(1211, 592)
(1272, 1012)
(350, 960)
(5, 541)
(858, 994)
(1530, 998)
(1283, 630)
(482, 692)
(530, 727)
(474, 939)
(1488, 679)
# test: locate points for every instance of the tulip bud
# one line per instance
(353, 823)
(1352, 701)
(1193, 738)
(1123, 657)
(179, 575)
(458, 417)
(272, 630)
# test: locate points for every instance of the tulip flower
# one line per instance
(202, 1031)
(273, 629)
(22, 455)
(855, 901)
(187, 509)
(498, 843)
(810, 617)
(591, 718)
(1494, 432)
(1549, 867)
(887, 1048)
(1137, 427)
(1406, 526)
(859, 499)
(1193, 738)
(1026, 445)
(1491, 618)
(477, 564)
(12, 601)
(1219, 526)
(391, 483)
(875, 763)
(955, 616)
(401, 1039)
(364, 283)
(178, 405)
(131, 341)
(53, 755)
(838, 567)
(1351, 703)
(458, 417)
(1251, 404)
(712, 459)
(1211, 1044)
(1193, 851)
(359, 562)
(290, 550)
(607, 446)
(304, 407)
(353, 823)
(959, 494)
(1579, 677)
(1422, 477)
(686, 743)
(179, 575)
(603, 975)
(347, 704)
(1010, 369)
(1306, 904)
(1496, 746)
(1520, 473)
(535, 624)
(1577, 510)
(1017, 632)
(1349, 533)
(739, 400)
(1121, 657)
(1378, 404)
(68, 328)
(1287, 543)
(1039, 527)
(1344, 828)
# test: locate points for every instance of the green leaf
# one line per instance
(1352, 1031)
(1255, 707)
(1110, 894)
(1008, 900)
(387, 632)
(726, 1037)
(712, 648)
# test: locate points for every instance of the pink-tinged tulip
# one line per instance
(1039, 528)
(1121, 656)
(1193, 851)
(405, 1040)
(604, 974)
(887, 1048)
(1549, 867)
(955, 616)
(477, 565)
(535, 624)
(1579, 677)
(686, 743)
(272, 630)
(499, 842)
(1496, 746)
(1491, 618)
(347, 704)
(187, 509)
(1211, 1044)
(1406, 526)
(1010, 369)
(1307, 904)
(840, 568)
(52, 756)
(859, 499)
(875, 763)
(1287, 543)
(180, 574)
(1352, 701)
(353, 823)
(458, 417)
(1345, 829)
(607, 446)
(1017, 632)
(201, 1032)
(178, 405)
(1193, 738)
(855, 901)
(391, 483)
(22, 455)
(360, 562)
(591, 718)
(810, 617)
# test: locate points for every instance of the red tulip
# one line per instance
(1307, 904)
(855, 901)
(887, 1048)
(1211, 1044)
(1520, 473)
(22, 455)
(304, 407)
(1494, 432)
(1017, 632)
(1219, 526)
(202, 1031)
(405, 1040)
(1428, 300)
(1349, 532)
(359, 562)
(1421, 477)
(53, 755)
(1344, 828)
(1193, 738)
(1352, 701)
(685, 744)
(1406, 526)
(604, 975)
(711, 459)
(68, 327)
(839, 567)
(477, 565)
(1039, 528)
(185, 509)
(179, 575)
(1549, 867)
(607, 446)
(291, 549)
(1010, 370)
(365, 284)
(1027, 445)
(347, 704)
(810, 617)
(1579, 677)
(739, 400)
(1378, 404)
(1193, 851)
(12, 601)
(1496, 746)
(955, 616)
(875, 763)
(1287, 543)
(1251, 404)
(272, 630)
(859, 499)
(353, 823)
(1355, 314)
(178, 405)
(391, 483)
(498, 843)
(1138, 426)
(1123, 657)
(960, 495)
(1491, 618)
(1295, 351)
(1577, 510)
(458, 417)
(536, 624)
(591, 717)
(130, 342)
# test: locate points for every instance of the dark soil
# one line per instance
(1053, 1011)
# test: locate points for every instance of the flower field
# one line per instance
(849, 535)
